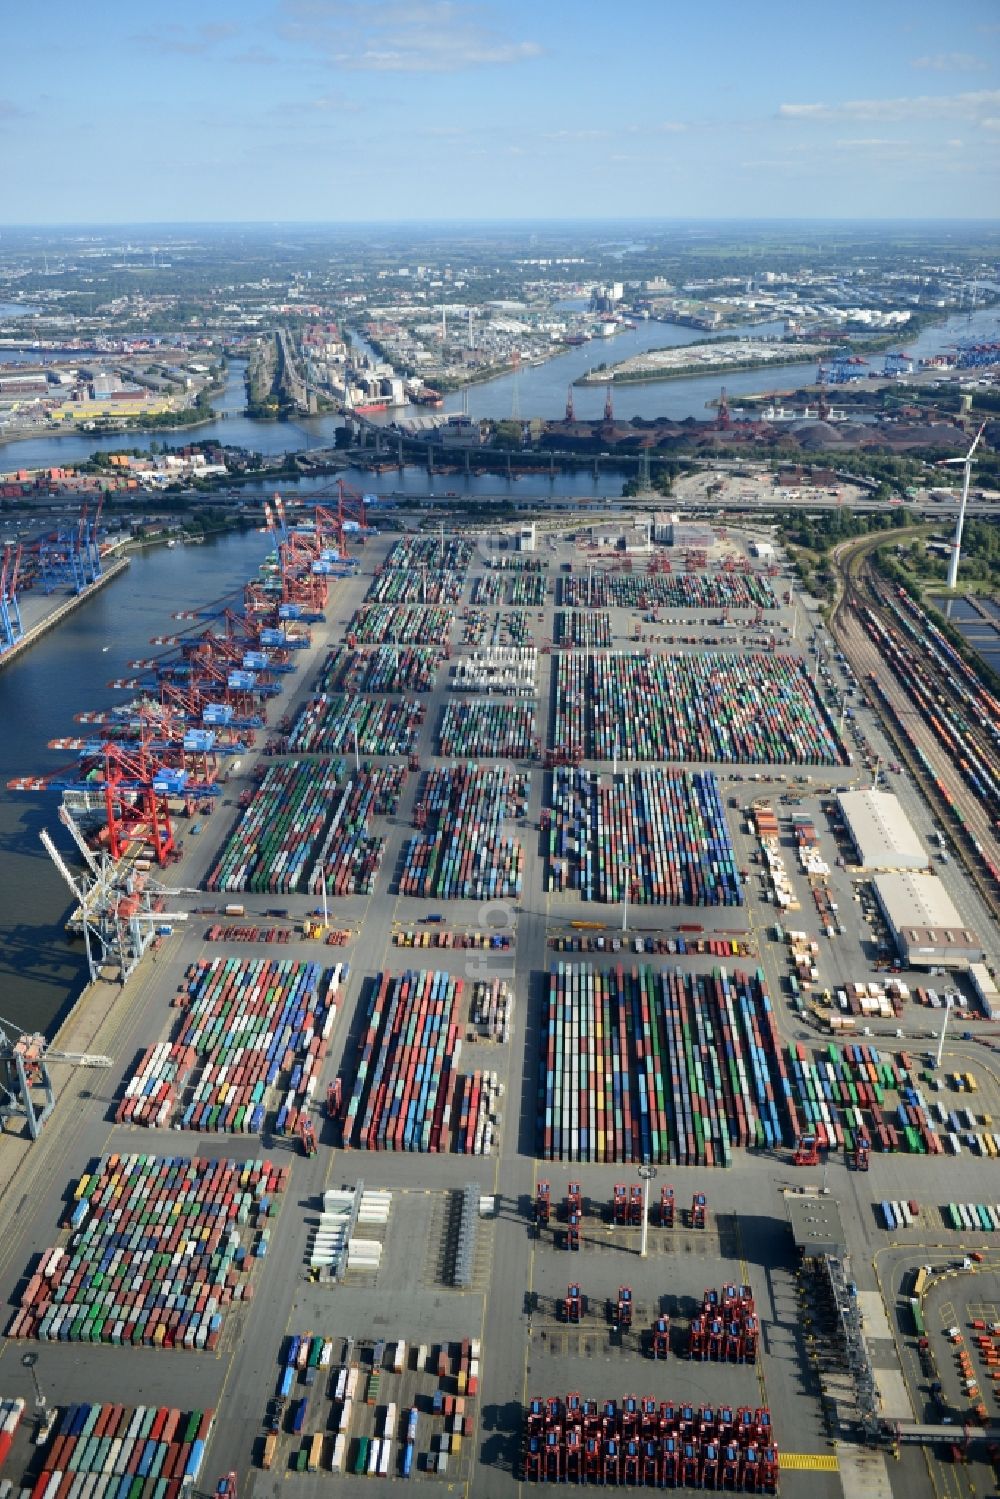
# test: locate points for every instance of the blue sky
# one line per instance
(351, 110)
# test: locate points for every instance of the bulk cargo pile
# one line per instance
(583, 627)
(726, 590)
(124, 1452)
(742, 710)
(423, 586)
(650, 1066)
(251, 1043)
(385, 668)
(157, 1253)
(470, 731)
(300, 821)
(650, 1444)
(660, 833)
(380, 726)
(407, 1094)
(402, 624)
(464, 854)
(506, 670)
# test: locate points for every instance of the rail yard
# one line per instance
(518, 1082)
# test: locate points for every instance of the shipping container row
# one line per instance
(330, 723)
(400, 624)
(484, 729)
(495, 628)
(507, 670)
(487, 588)
(587, 628)
(11, 1412)
(670, 590)
(156, 1254)
(660, 836)
(527, 590)
(251, 1043)
(424, 585)
(384, 668)
(642, 1065)
(745, 709)
(303, 820)
(449, 552)
(124, 1452)
(405, 1080)
(462, 852)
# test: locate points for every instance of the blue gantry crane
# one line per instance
(10, 611)
(70, 557)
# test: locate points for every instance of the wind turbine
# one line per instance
(956, 546)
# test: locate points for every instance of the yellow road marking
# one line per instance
(809, 1462)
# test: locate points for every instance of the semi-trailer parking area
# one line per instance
(517, 1278)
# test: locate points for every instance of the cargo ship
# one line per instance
(371, 408)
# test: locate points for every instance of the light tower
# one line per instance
(723, 421)
(960, 526)
(570, 408)
(609, 404)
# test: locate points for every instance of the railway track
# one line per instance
(862, 605)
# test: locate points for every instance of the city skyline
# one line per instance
(333, 110)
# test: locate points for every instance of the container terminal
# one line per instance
(510, 1057)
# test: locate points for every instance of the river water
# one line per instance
(66, 673)
(540, 391)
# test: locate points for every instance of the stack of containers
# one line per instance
(11, 1412)
(748, 709)
(404, 624)
(666, 828)
(590, 629)
(387, 668)
(465, 855)
(655, 1066)
(504, 730)
(122, 1452)
(487, 589)
(270, 847)
(348, 856)
(476, 1108)
(328, 725)
(668, 590)
(527, 590)
(155, 1255)
(509, 670)
(253, 1027)
(405, 1081)
(452, 552)
(422, 586)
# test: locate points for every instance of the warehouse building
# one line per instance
(882, 834)
(925, 926)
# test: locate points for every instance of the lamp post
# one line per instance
(646, 1174)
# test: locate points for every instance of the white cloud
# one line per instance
(990, 122)
(442, 36)
(869, 141)
(187, 41)
(951, 62)
(925, 106)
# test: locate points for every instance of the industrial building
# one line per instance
(924, 923)
(882, 834)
